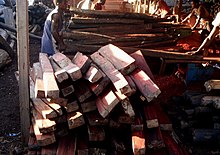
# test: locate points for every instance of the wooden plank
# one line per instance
(43, 139)
(114, 75)
(43, 108)
(125, 103)
(212, 85)
(59, 73)
(64, 62)
(93, 74)
(211, 100)
(75, 119)
(44, 125)
(38, 79)
(82, 61)
(67, 145)
(119, 59)
(55, 106)
(108, 102)
(50, 84)
(83, 92)
(23, 67)
(146, 86)
(99, 86)
(88, 105)
(151, 116)
(72, 106)
(138, 143)
(142, 64)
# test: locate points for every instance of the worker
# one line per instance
(212, 35)
(199, 15)
(161, 9)
(52, 40)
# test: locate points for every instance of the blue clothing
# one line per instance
(48, 43)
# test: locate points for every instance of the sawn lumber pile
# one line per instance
(103, 103)
(89, 28)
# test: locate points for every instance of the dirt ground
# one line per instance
(9, 108)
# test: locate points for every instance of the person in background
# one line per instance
(210, 39)
(161, 9)
(199, 15)
(98, 5)
(52, 41)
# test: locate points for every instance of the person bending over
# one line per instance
(52, 41)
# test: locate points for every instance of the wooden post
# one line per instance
(23, 66)
(180, 2)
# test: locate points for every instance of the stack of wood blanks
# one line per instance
(197, 115)
(103, 103)
(90, 29)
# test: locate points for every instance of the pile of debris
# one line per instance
(103, 103)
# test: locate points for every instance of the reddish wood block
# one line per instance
(82, 61)
(120, 59)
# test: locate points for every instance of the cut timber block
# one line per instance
(45, 110)
(59, 73)
(142, 64)
(96, 133)
(138, 143)
(120, 59)
(125, 103)
(50, 84)
(75, 119)
(83, 92)
(38, 80)
(93, 74)
(146, 86)
(132, 85)
(212, 84)
(73, 71)
(43, 139)
(98, 87)
(88, 105)
(61, 59)
(106, 102)
(44, 125)
(151, 116)
(61, 101)
(82, 61)
(95, 119)
(65, 63)
(72, 106)
(67, 145)
(211, 100)
(55, 106)
(114, 75)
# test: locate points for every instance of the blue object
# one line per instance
(196, 72)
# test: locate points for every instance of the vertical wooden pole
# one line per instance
(180, 2)
(23, 66)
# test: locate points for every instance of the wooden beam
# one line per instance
(23, 66)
